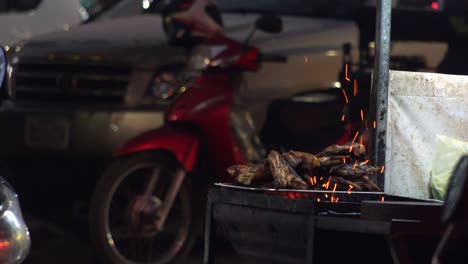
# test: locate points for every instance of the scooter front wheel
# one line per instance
(128, 223)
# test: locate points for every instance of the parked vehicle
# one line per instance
(146, 192)
(14, 235)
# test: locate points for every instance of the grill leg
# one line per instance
(310, 240)
(210, 230)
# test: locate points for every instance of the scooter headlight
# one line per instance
(14, 234)
(204, 56)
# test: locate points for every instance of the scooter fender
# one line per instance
(181, 141)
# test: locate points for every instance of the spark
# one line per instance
(315, 180)
(362, 115)
(350, 188)
(364, 162)
(344, 160)
(337, 198)
(310, 180)
(327, 185)
(383, 199)
(355, 87)
(346, 73)
(334, 187)
(375, 125)
(332, 199)
(360, 140)
(343, 118)
(355, 137)
(355, 164)
(326, 196)
(383, 169)
(321, 178)
(367, 125)
(345, 96)
(306, 59)
(318, 200)
(351, 149)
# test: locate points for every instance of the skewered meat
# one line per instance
(350, 171)
(355, 149)
(283, 175)
(246, 173)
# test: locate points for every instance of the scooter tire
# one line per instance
(103, 251)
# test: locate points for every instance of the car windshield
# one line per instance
(97, 8)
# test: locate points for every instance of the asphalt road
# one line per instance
(55, 245)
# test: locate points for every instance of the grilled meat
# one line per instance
(350, 171)
(284, 176)
(357, 150)
(246, 173)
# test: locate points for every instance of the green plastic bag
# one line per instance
(447, 152)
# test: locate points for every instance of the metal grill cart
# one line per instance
(290, 226)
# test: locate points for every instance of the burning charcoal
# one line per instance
(329, 161)
(247, 173)
(292, 159)
(346, 183)
(283, 174)
(355, 149)
(350, 171)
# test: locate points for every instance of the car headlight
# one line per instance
(14, 234)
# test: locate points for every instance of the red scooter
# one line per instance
(148, 206)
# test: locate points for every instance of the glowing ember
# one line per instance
(311, 181)
(355, 136)
(345, 96)
(364, 162)
(383, 169)
(350, 188)
(346, 73)
(355, 87)
(362, 115)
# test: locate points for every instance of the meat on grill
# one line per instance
(284, 176)
(350, 171)
(357, 150)
(247, 173)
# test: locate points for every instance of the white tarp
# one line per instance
(421, 106)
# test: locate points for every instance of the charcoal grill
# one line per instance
(289, 226)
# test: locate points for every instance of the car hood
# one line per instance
(141, 40)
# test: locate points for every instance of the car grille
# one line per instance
(71, 82)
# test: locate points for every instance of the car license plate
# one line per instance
(47, 132)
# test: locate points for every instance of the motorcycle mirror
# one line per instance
(269, 24)
(18, 5)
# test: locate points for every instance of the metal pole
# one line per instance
(379, 89)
